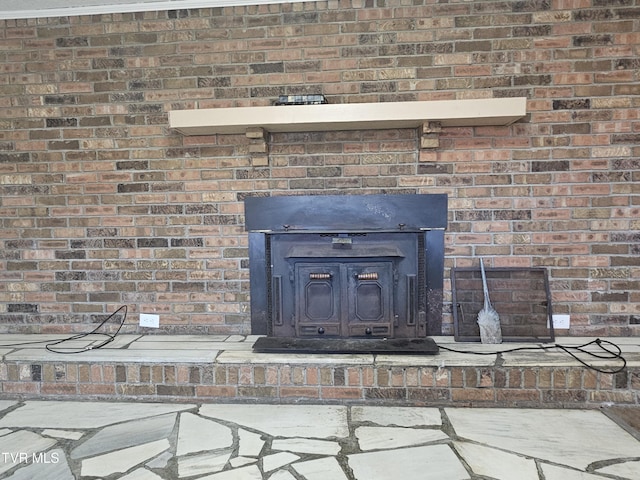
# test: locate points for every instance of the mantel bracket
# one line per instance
(430, 132)
(258, 147)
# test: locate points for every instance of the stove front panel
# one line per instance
(347, 265)
(345, 285)
(343, 299)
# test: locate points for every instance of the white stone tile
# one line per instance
(398, 416)
(240, 461)
(19, 339)
(67, 434)
(187, 339)
(185, 346)
(122, 460)
(51, 465)
(306, 445)
(443, 359)
(552, 472)
(54, 414)
(236, 338)
(565, 437)
(93, 340)
(21, 445)
(630, 470)
(4, 404)
(141, 474)
(244, 473)
(436, 462)
(317, 421)
(39, 340)
(374, 438)
(161, 461)
(202, 464)
(320, 469)
(111, 355)
(6, 431)
(250, 444)
(282, 475)
(197, 434)
(249, 357)
(126, 434)
(493, 463)
(448, 342)
(277, 460)
(622, 341)
(555, 359)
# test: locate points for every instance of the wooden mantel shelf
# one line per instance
(349, 116)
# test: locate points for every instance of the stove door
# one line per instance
(318, 301)
(344, 299)
(370, 299)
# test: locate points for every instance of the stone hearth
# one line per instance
(224, 368)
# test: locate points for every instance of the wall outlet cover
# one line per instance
(561, 322)
(149, 320)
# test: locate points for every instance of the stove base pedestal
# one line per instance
(400, 346)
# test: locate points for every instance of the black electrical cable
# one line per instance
(110, 337)
(615, 354)
(608, 354)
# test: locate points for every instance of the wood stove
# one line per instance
(346, 266)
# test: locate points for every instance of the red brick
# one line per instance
(91, 389)
(76, 129)
(21, 387)
(58, 389)
(341, 393)
(216, 391)
(513, 397)
(482, 395)
(300, 392)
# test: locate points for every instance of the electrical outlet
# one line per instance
(149, 320)
(561, 322)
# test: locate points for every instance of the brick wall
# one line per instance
(102, 204)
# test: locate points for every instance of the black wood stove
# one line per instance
(355, 266)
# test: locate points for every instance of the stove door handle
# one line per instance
(367, 276)
(319, 276)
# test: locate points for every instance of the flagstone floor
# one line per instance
(60, 440)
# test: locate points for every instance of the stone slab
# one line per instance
(492, 463)
(630, 470)
(114, 355)
(197, 434)
(242, 357)
(72, 414)
(306, 445)
(396, 416)
(122, 460)
(284, 420)
(18, 447)
(443, 359)
(565, 437)
(376, 438)
(321, 469)
(435, 462)
(126, 434)
(53, 466)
